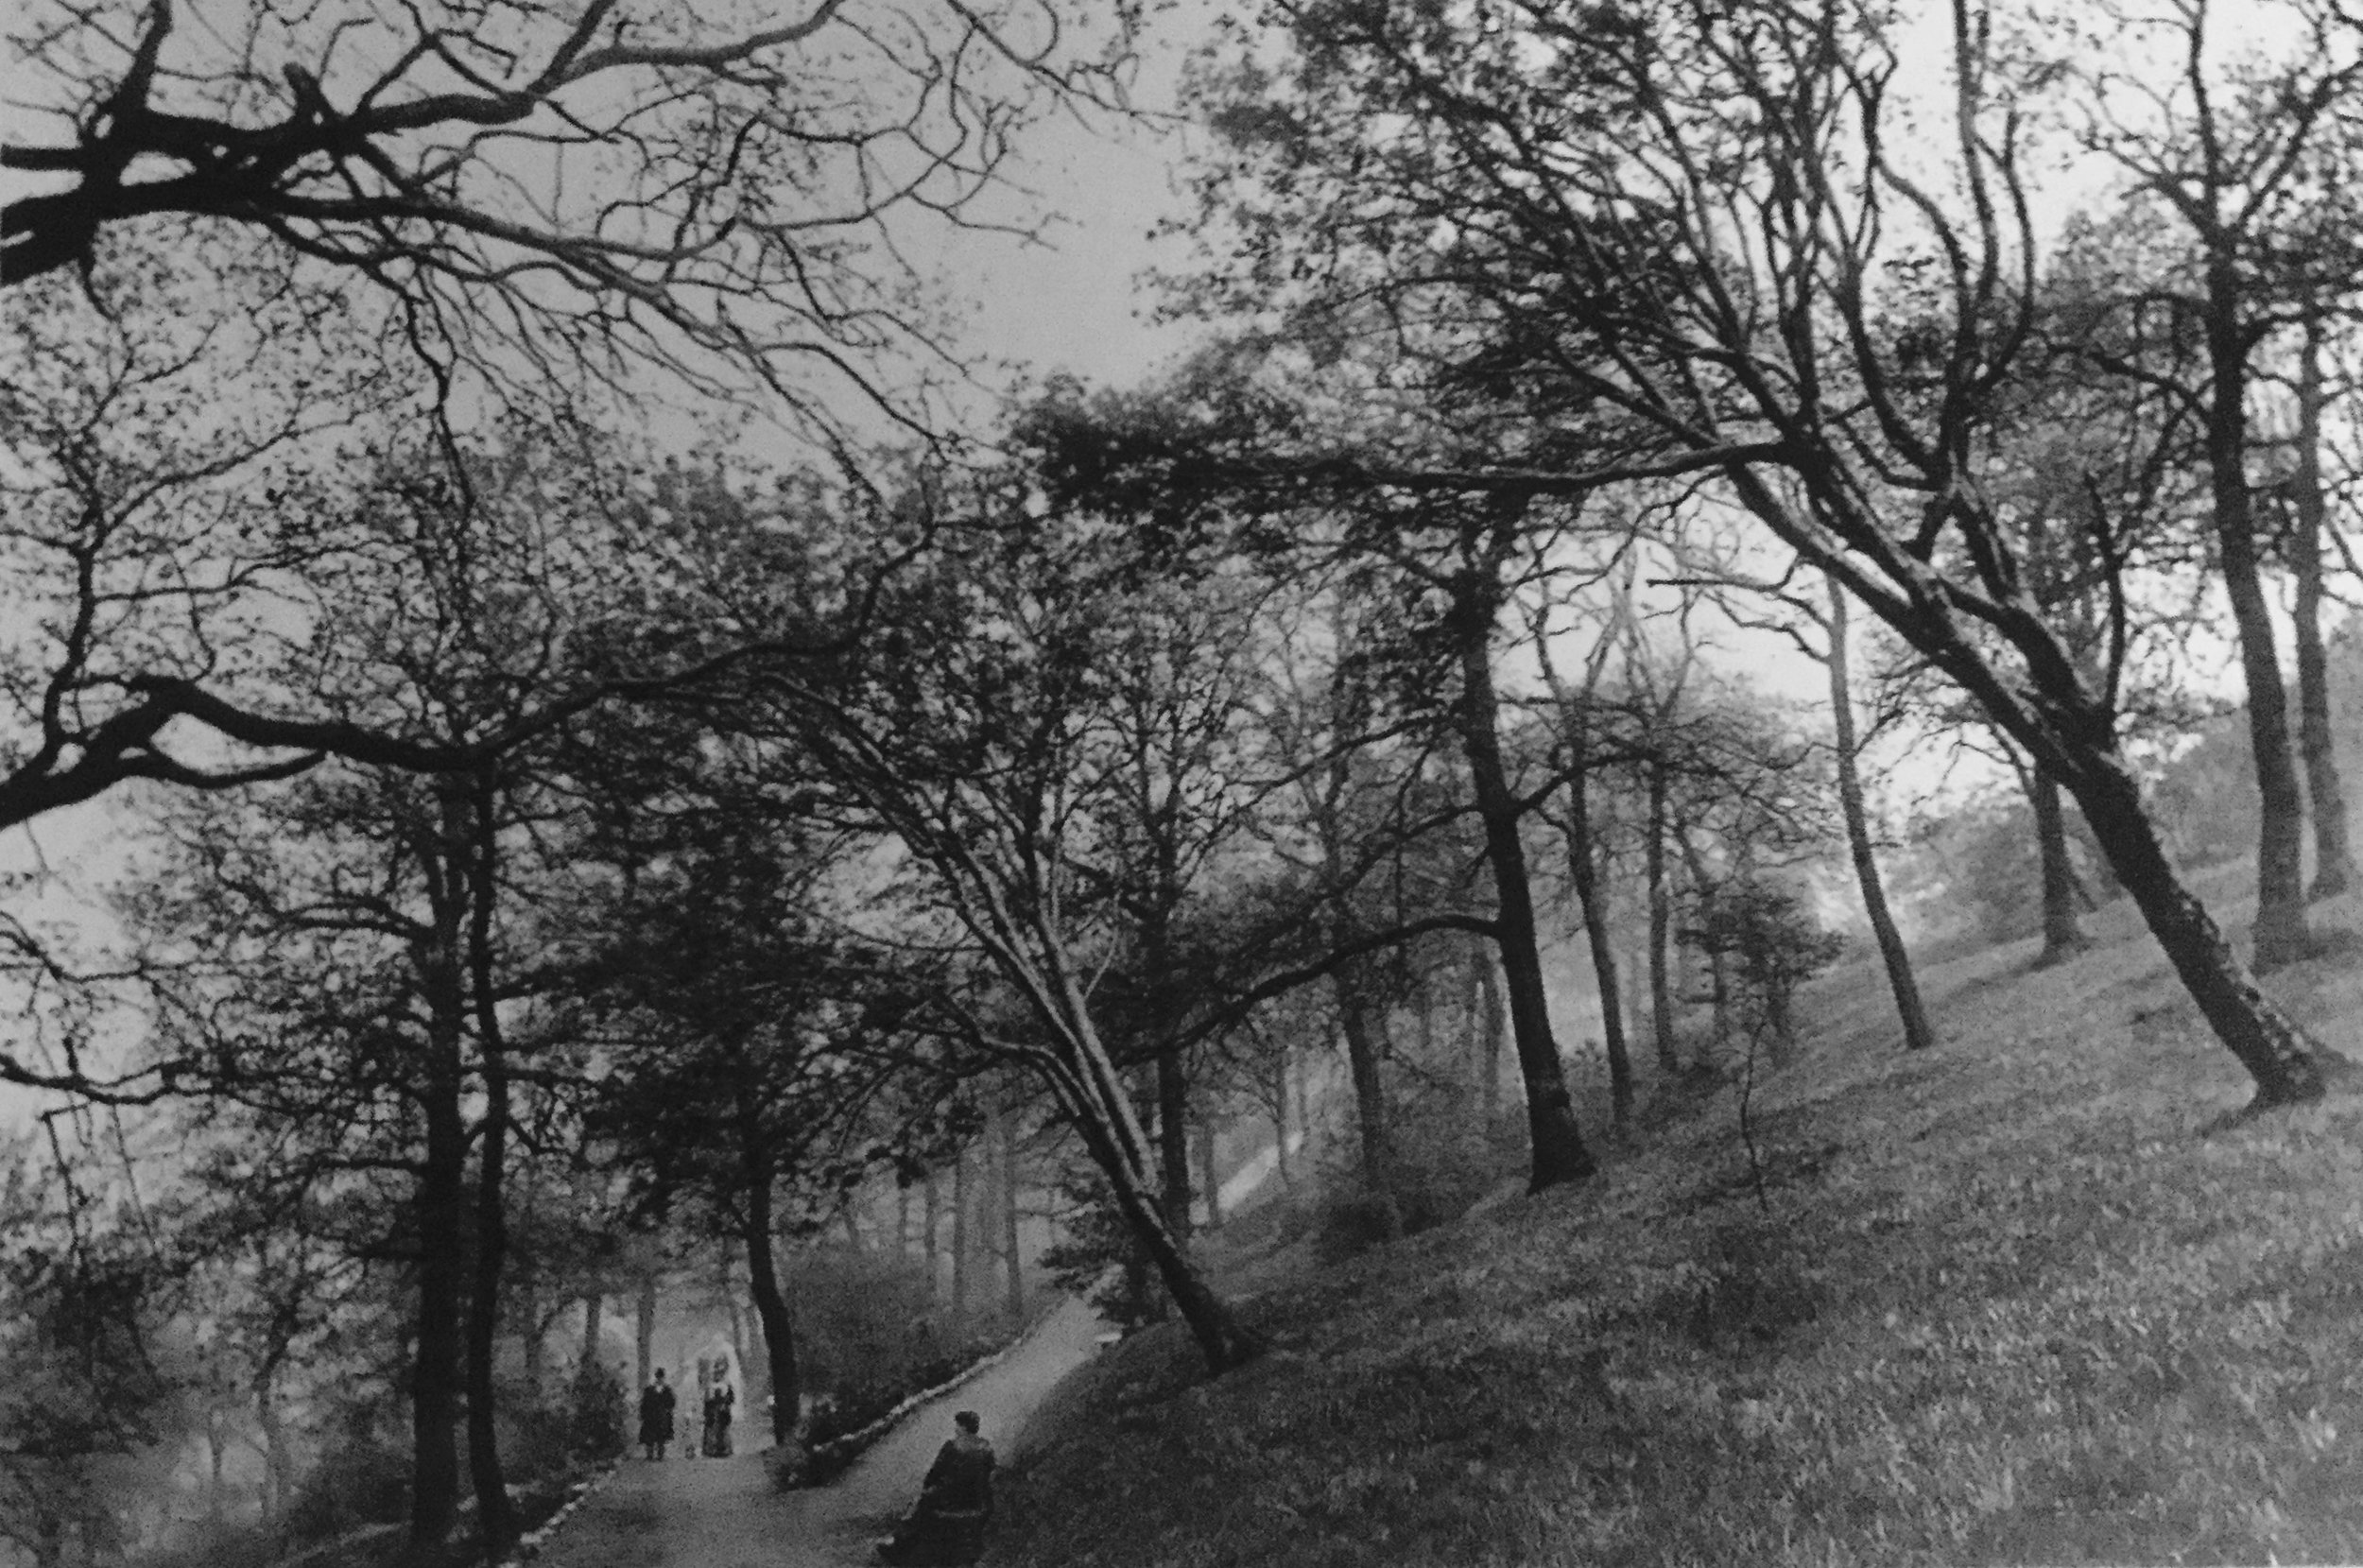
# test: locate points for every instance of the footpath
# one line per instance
(727, 1513)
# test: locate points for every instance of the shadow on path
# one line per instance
(725, 1513)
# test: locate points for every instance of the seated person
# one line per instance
(955, 1503)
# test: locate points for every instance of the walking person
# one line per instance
(722, 1400)
(656, 1416)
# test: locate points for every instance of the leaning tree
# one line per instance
(1711, 221)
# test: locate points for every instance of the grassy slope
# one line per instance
(2009, 1304)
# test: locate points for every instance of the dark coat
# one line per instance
(960, 1480)
(656, 1414)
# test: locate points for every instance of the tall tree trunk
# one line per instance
(902, 1219)
(496, 1513)
(961, 1243)
(1559, 1152)
(1661, 923)
(1012, 1252)
(1280, 1119)
(1583, 867)
(1173, 1139)
(2334, 864)
(2062, 927)
(2281, 937)
(771, 1313)
(1905, 985)
(1208, 1179)
(1363, 1054)
(644, 1336)
(443, 1209)
(930, 1225)
(594, 1305)
(537, 1346)
(2273, 1049)
(1492, 1018)
(1718, 969)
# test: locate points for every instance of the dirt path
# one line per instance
(725, 1513)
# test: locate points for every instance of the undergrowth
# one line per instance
(2004, 1302)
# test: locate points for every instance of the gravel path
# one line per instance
(725, 1513)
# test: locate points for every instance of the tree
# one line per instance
(2225, 146)
(561, 190)
(1705, 221)
(978, 738)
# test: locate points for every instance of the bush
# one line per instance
(597, 1413)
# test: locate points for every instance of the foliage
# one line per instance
(1775, 946)
(2010, 1305)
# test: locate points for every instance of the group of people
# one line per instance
(955, 1501)
(658, 1404)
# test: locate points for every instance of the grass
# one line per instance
(2008, 1303)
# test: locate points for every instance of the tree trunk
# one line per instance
(2281, 937)
(497, 1524)
(1583, 867)
(2062, 929)
(960, 1240)
(1208, 1179)
(1492, 1018)
(1918, 1035)
(1088, 1087)
(1661, 925)
(1012, 1250)
(1363, 1054)
(537, 1345)
(930, 1224)
(2269, 1044)
(1559, 1152)
(1279, 1118)
(771, 1313)
(442, 1208)
(1719, 971)
(2334, 864)
(1173, 1139)
(593, 1307)
(645, 1335)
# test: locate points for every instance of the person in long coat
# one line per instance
(656, 1416)
(955, 1503)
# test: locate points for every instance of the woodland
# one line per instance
(561, 730)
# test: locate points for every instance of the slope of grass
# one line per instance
(2006, 1302)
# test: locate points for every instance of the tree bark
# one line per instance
(771, 1313)
(931, 1223)
(1209, 1181)
(644, 1327)
(594, 1306)
(1660, 925)
(2266, 1042)
(1492, 1018)
(442, 1227)
(1583, 867)
(2334, 863)
(1719, 971)
(960, 1239)
(2062, 927)
(2281, 937)
(1011, 1248)
(1363, 1054)
(1557, 1149)
(1918, 1035)
(497, 1524)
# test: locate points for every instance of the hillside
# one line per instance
(2023, 1299)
